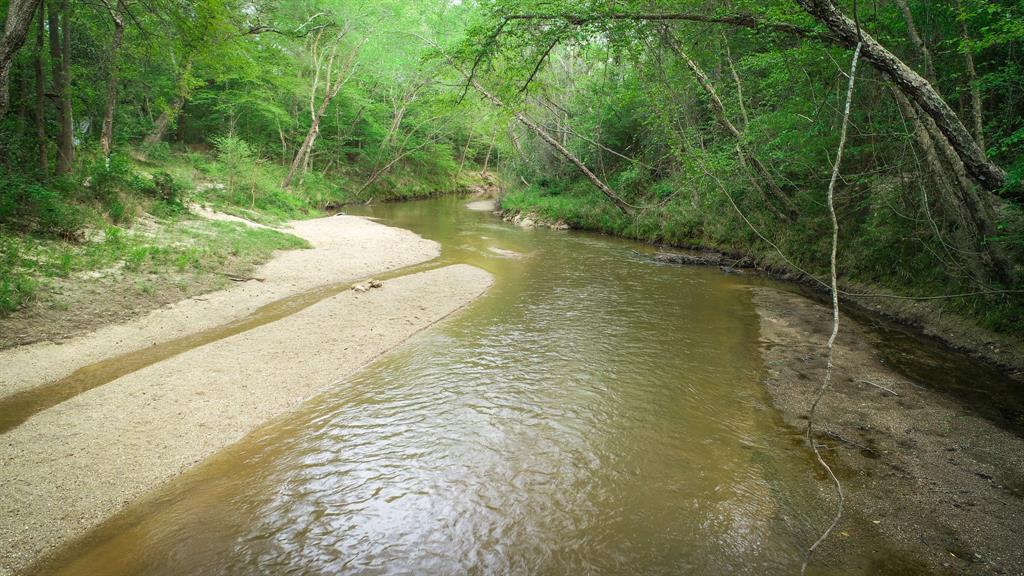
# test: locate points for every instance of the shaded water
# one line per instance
(591, 414)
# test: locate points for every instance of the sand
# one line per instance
(939, 484)
(70, 467)
(483, 206)
(345, 248)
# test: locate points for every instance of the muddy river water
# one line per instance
(591, 414)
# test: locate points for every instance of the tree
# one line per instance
(19, 18)
(117, 14)
(336, 73)
(59, 16)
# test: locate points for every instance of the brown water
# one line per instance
(592, 414)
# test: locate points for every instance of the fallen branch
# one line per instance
(835, 317)
(890, 391)
(237, 278)
(848, 442)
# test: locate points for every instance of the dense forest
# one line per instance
(687, 123)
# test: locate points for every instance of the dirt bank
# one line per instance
(345, 248)
(943, 485)
(926, 316)
(69, 467)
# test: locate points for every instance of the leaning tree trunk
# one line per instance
(40, 77)
(19, 18)
(465, 149)
(847, 33)
(107, 133)
(160, 126)
(621, 204)
(307, 144)
(964, 204)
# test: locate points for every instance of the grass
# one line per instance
(29, 265)
(129, 215)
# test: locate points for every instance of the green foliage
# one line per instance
(16, 286)
(236, 156)
(155, 151)
(30, 207)
(238, 101)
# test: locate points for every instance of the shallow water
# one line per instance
(591, 414)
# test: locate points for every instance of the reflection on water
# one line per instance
(591, 414)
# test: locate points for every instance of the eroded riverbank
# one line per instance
(942, 484)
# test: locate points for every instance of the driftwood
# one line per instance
(708, 258)
(848, 442)
(237, 278)
(889, 390)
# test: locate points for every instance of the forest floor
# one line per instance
(942, 485)
(74, 464)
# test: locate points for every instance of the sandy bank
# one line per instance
(942, 485)
(344, 248)
(71, 466)
(483, 206)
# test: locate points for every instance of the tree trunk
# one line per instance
(307, 145)
(621, 204)
(949, 174)
(915, 39)
(465, 149)
(736, 80)
(19, 18)
(965, 206)
(490, 148)
(40, 111)
(972, 80)
(107, 135)
(165, 117)
(67, 132)
(330, 91)
(979, 168)
(57, 17)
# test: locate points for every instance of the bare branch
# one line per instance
(835, 315)
(738, 20)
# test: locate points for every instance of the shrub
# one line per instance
(237, 157)
(156, 151)
(169, 194)
(28, 206)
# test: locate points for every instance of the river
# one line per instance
(593, 413)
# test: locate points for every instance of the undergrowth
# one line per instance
(130, 213)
